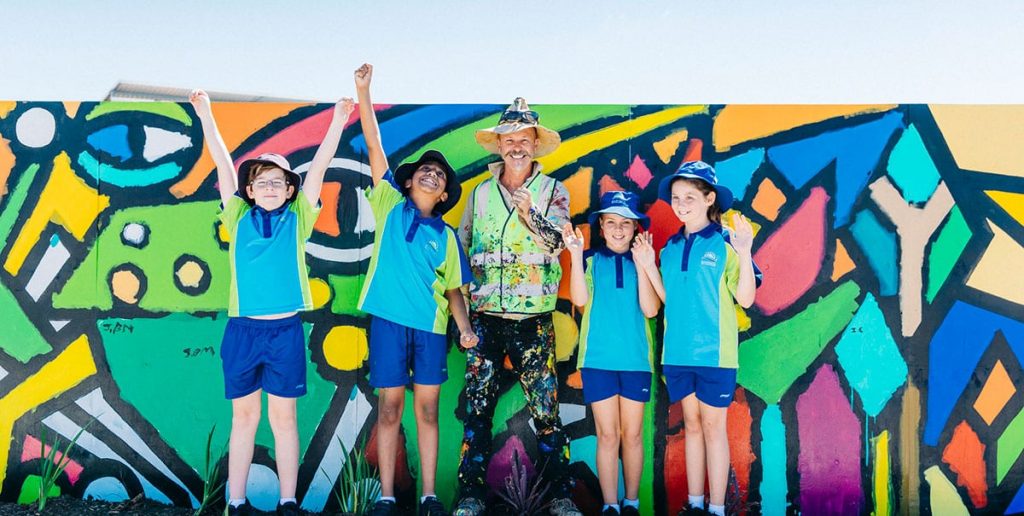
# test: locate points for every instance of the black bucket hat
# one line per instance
(452, 186)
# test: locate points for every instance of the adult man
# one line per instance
(512, 231)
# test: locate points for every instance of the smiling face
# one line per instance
(517, 149)
(268, 187)
(429, 180)
(618, 231)
(690, 203)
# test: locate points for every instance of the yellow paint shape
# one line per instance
(190, 274)
(320, 291)
(883, 495)
(769, 200)
(742, 319)
(6, 106)
(910, 448)
(667, 147)
(983, 138)
(727, 221)
(6, 164)
(345, 348)
(125, 285)
(842, 263)
(1012, 202)
(995, 270)
(997, 391)
(65, 200)
(454, 216)
(943, 495)
(578, 186)
(222, 233)
(567, 334)
(738, 123)
(67, 370)
(71, 108)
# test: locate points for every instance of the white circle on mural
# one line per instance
(36, 128)
(134, 233)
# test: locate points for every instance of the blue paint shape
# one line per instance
(735, 172)
(405, 129)
(911, 167)
(54, 240)
(127, 177)
(870, 357)
(773, 463)
(879, 244)
(584, 450)
(855, 150)
(953, 355)
(262, 488)
(1017, 505)
(113, 140)
(108, 489)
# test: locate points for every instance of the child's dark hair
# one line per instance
(597, 236)
(714, 211)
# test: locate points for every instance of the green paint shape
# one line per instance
(167, 109)
(946, 250)
(772, 360)
(174, 230)
(647, 475)
(30, 490)
(16, 200)
(1009, 446)
(346, 291)
(169, 369)
(911, 167)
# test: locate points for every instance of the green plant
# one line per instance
(523, 495)
(359, 485)
(213, 485)
(52, 466)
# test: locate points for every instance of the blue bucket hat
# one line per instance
(623, 204)
(696, 170)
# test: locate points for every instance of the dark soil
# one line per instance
(68, 506)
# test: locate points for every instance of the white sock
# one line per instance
(285, 500)
(235, 503)
(424, 497)
(717, 510)
(631, 503)
(697, 501)
(387, 498)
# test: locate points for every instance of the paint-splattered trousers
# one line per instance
(530, 346)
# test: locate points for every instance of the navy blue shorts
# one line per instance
(713, 385)
(601, 384)
(395, 349)
(264, 354)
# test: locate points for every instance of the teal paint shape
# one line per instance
(124, 177)
(773, 487)
(584, 450)
(870, 357)
(879, 244)
(946, 250)
(911, 167)
(735, 172)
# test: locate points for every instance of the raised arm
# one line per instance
(314, 179)
(742, 240)
(547, 227)
(643, 251)
(577, 280)
(368, 119)
(215, 144)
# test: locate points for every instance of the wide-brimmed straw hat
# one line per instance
(517, 117)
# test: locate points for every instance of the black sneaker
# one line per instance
(609, 511)
(689, 510)
(629, 510)
(242, 510)
(431, 506)
(289, 509)
(384, 508)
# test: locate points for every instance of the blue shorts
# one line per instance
(395, 349)
(713, 385)
(264, 354)
(601, 384)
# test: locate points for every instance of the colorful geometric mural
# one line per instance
(880, 367)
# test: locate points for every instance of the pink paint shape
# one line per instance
(607, 184)
(965, 455)
(501, 463)
(30, 450)
(830, 448)
(303, 134)
(792, 256)
(639, 173)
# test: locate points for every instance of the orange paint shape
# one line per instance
(738, 424)
(965, 455)
(575, 380)
(997, 391)
(769, 200)
(578, 186)
(6, 164)
(842, 263)
(71, 108)
(507, 364)
(607, 184)
(6, 107)
(566, 262)
(738, 123)
(667, 147)
(694, 150)
(327, 221)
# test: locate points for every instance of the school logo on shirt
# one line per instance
(432, 244)
(709, 259)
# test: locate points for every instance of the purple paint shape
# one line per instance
(501, 463)
(830, 448)
(639, 173)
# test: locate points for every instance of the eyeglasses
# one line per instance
(274, 184)
(527, 117)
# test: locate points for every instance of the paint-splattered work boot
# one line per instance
(564, 507)
(469, 506)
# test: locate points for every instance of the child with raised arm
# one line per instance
(412, 285)
(268, 212)
(615, 341)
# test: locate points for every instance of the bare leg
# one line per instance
(281, 412)
(425, 398)
(631, 419)
(245, 417)
(694, 446)
(606, 419)
(717, 442)
(391, 401)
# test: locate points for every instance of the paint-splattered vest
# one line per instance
(513, 272)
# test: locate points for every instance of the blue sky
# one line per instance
(551, 51)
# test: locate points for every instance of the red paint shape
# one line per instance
(403, 479)
(639, 173)
(664, 223)
(694, 150)
(676, 490)
(791, 258)
(565, 260)
(327, 221)
(607, 184)
(587, 501)
(738, 423)
(30, 450)
(675, 416)
(965, 455)
(303, 134)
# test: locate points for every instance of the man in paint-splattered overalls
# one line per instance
(512, 231)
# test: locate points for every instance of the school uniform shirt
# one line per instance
(415, 260)
(614, 334)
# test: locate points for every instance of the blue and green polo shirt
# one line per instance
(614, 334)
(267, 253)
(415, 261)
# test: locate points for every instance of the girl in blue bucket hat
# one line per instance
(616, 341)
(703, 269)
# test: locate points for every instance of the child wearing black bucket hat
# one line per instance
(412, 285)
(268, 213)
(616, 341)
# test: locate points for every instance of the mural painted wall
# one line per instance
(880, 365)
